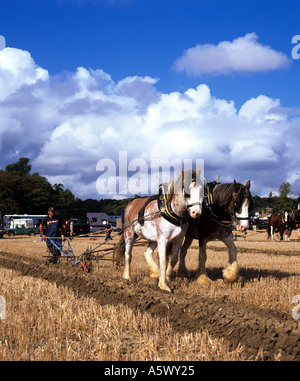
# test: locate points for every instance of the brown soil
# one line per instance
(274, 332)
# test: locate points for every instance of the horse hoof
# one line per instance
(230, 273)
(203, 280)
(154, 274)
(171, 277)
(183, 274)
(165, 288)
(154, 281)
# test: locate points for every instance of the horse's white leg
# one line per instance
(272, 233)
(182, 270)
(162, 251)
(202, 277)
(299, 233)
(230, 272)
(128, 249)
(152, 266)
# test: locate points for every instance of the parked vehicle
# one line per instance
(21, 229)
(258, 223)
(22, 226)
(12, 220)
(77, 218)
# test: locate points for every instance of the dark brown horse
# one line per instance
(297, 221)
(228, 209)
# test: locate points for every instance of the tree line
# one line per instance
(284, 200)
(23, 192)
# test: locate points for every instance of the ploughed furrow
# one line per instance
(273, 332)
(261, 251)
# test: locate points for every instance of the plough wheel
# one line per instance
(86, 263)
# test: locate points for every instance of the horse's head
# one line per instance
(189, 192)
(193, 191)
(236, 201)
(240, 205)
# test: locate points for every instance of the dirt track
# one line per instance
(277, 333)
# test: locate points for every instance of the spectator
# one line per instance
(108, 232)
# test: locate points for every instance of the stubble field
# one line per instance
(58, 312)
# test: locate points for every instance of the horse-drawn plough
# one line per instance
(60, 248)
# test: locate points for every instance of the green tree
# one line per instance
(37, 194)
(283, 201)
(22, 192)
(21, 167)
(91, 205)
(64, 200)
(10, 193)
(285, 189)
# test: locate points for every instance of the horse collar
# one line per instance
(166, 211)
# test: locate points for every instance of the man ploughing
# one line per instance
(51, 227)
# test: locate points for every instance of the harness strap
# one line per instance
(142, 210)
(164, 209)
(208, 197)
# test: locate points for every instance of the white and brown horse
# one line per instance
(163, 221)
(277, 225)
(227, 209)
(283, 225)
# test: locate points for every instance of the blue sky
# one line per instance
(144, 37)
(125, 68)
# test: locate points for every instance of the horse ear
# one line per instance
(182, 173)
(236, 186)
(248, 184)
(198, 171)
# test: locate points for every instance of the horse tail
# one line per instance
(119, 253)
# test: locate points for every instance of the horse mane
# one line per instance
(222, 193)
(173, 185)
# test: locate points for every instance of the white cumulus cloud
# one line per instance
(262, 109)
(243, 54)
(66, 123)
(19, 67)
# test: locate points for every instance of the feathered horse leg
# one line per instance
(230, 272)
